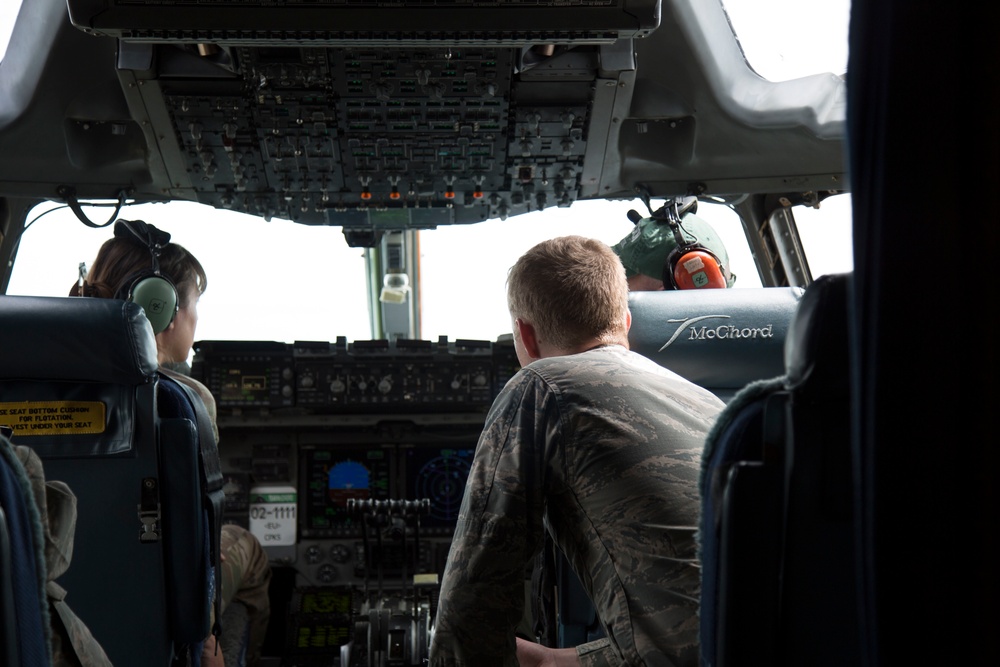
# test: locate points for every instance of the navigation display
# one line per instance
(439, 475)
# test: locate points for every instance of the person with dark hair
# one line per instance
(600, 448)
(140, 252)
(124, 260)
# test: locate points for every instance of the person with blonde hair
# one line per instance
(600, 448)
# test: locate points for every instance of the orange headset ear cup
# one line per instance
(698, 269)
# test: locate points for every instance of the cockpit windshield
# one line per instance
(8, 13)
(788, 39)
(280, 280)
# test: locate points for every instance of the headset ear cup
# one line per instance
(158, 299)
(698, 269)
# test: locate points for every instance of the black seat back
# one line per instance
(777, 533)
(79, 385)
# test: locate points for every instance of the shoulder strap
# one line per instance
(72, 630)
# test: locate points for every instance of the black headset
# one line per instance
(149, 288)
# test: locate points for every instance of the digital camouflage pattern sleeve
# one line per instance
(499, 530)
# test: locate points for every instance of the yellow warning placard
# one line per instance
(53, 417)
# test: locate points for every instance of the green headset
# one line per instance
(149, 288)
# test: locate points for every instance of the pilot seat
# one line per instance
(79, 385)
(777, 532)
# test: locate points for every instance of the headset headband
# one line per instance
(146, 235)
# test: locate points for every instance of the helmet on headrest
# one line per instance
(687, 254)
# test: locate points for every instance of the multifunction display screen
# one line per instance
(335, 475)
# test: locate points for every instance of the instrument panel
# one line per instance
(375, 376)
(311, 431)
(309, 428)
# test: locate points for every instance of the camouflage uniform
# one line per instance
(246, 572)
(603, 450)
(246, 575)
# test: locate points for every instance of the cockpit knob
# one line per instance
(326, 574)
(313, 554)
(339, 553)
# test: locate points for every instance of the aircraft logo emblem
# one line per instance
(721, 332)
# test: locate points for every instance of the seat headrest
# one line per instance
(817, 349)
(721, 339)
(75, 339)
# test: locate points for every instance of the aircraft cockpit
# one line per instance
(356, 178)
